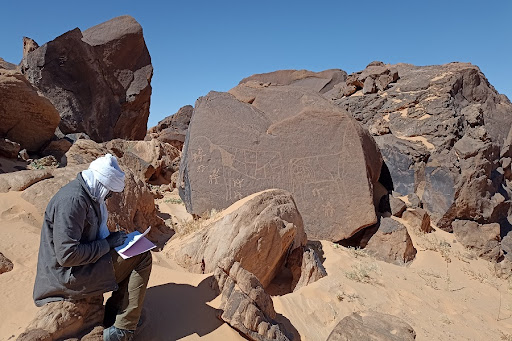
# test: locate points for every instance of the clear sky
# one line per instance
(198, 46)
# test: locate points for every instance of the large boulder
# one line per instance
(18, 181)
(483, 239)
(260, 136)
(245, 305)
(172, 129)
(99, 79)
(372, 326)
(64, 320)
(258, 231)
(446, 126)
(27, 117)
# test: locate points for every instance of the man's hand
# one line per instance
(116, 239)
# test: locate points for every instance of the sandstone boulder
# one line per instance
(483, 238)
(18, 181)
(245, 304)
(105, 99)
(322, 82)
(258, 232)
(419, 219)
(5, 264)
(64, 320)
(372, 326)
(27, 117)
(390, 242)
(259, 137)
(305, 266)
(172, 129)
(9, 149)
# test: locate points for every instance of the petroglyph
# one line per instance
(214, 177)
(198, 155)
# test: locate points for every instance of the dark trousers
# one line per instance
(125, 304)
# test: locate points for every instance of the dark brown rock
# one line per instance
(287, 138)
(57, 148)
(27, 117)
(418, 218)
(484, 239)
(172, 129)
(395, 206)
(5, 264)
(9, 149)
(245, 304)
(391, 243)
(105, 99)
(372, 326)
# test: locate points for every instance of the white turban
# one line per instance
(107, 171)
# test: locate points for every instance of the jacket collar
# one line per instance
(85, 187)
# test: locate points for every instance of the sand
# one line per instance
(457, 300)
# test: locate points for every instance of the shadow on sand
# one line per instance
(178, 310)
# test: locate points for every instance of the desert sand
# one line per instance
(446, 293)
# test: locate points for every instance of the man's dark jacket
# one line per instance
(72, 263)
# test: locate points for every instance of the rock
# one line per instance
(418, 218)
(156, 159)
(84, 152)
(27, 117)
(9, 149)
(6, 65)
(393, 205)
(235, 149)
(106, 99)
(372, 326)
(258, 231)
(64, 319)
(172, 129)
(483, 238)
(391, 242)
(19, 181)
(453, 124)
(245, 304)
(23, 154)
(321, 82)
(29, 45)
(5, 264)
(369, 86)
(305, 266)
(413, 200)
(57, 148)
(503, 269)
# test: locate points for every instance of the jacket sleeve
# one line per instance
(68, 226)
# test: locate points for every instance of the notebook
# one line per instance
(135, 244)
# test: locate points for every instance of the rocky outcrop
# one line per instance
(172, 129)
(27, 117)
(6, 65)
(482, 238)
(107, 98)
(305, 267)
(64, 320)
(445, 126)
(372, 326)
(258, 231)
(393, 205)
(5, 264)
(245, 305)
(264, 136)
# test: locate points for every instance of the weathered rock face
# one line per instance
(18, 181)
(27, 118)
(419, 219)
(245, 304)
(322, 82)
(6, 65)
(305, 266)
(5, 264)
(172, 129)
(9, 149)
(485, 239)
(372, 326)
(446, 125)
(288, 137)
(64, 319)
(258, 231)
(107, 98)
(388, 241)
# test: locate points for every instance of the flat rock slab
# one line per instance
(281, 137)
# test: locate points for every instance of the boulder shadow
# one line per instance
(175, 311)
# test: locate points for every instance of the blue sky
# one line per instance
(198, 46)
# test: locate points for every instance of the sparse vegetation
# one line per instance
(364, 273)
(175, 201)
(189, 226)
(343, 296)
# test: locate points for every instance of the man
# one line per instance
(76, 257)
